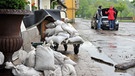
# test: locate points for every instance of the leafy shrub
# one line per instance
(13, 4)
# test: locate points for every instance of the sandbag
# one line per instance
(50, 25)
(62, 59)
(64, 34)
(1, 58)
(76, 39)
(69, 61)
(50, 32)
(56, 39)
(19, 57)
(68, 70)
(44, 58)
(58, 29)
(58, 22)
(9, 65)
(56, 72)
(66, 20)
(69, 29)
(58, 58)
(48, 73)
(30, 61)
(22, 70)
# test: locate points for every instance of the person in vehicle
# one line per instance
(99, 15)
(111, 17)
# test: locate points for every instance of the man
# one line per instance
(111, 17)
(99, 15)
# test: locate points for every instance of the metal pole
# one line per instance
(72, 11)
(38, 4)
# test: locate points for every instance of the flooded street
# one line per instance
(119, 45)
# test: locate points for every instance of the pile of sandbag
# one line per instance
(41, 61)
(60, 31)
(1, 58)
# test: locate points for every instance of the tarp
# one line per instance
(40, 15)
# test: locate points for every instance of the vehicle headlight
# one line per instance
(97, 21)
(116, 22)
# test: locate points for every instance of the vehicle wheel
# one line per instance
(76, 48)
(117, 28)
(92, 27)
(95, 27)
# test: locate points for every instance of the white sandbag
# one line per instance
(20, 56)
(58, 58)
(64, 34)
(56, 39)
(62, 59)
(48, 39)
(44, 58)
(1, 58)
(69, 29)
(48, 44)
(69, 61)
(58, 29)
(58, 22)
(68, 70)
(9, 65)
(72, 27)
(21, 70)
(76, 39)
(66, 20)
(49, 73)
(50, 32)
(50, 25)
(76, 34)
(56, 72)
(30, 61)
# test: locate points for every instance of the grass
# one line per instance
(126, 21)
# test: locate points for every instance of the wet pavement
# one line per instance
(102, 50)
(85, 65)
(115, 46)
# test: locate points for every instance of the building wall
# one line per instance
(77, 4)
(45, 4)
(71, 8)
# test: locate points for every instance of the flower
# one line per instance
(33, 4)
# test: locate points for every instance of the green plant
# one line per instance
(13, 4)
(33, 6)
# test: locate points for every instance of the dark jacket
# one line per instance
(99, 13)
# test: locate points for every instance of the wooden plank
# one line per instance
(43, 29)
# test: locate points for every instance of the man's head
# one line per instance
(100, 6)
(111, 7)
